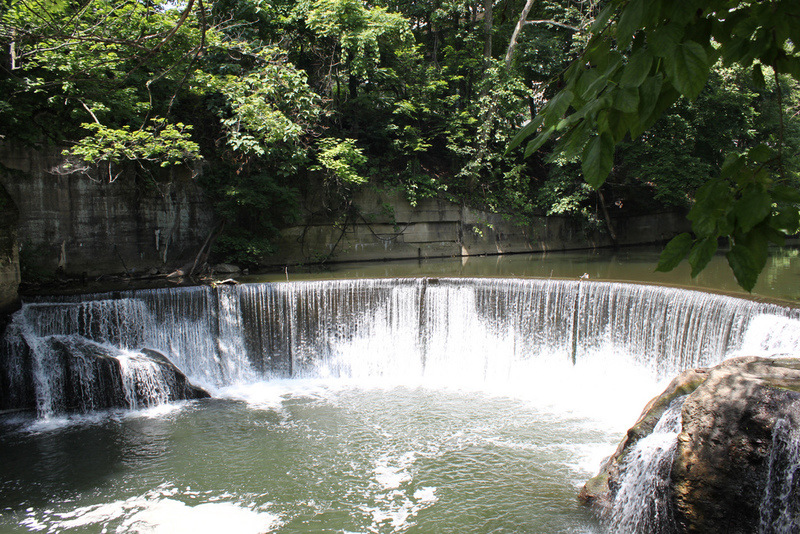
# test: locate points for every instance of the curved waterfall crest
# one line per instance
(432, 327)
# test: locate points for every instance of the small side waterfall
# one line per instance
(475, 330)
(780, 507)
(642, 502)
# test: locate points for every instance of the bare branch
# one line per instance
(89, 110)
(514, 36)
(555, 23)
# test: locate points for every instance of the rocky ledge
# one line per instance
(736, 454)
(85, 376)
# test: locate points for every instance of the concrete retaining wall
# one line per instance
(9, 255)
(78, 225)
(390, 228)
(71, 223)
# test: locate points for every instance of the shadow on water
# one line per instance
(60, 459)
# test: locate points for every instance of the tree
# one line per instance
(645, 55)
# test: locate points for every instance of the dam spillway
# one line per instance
(462, 329)
(524, 383)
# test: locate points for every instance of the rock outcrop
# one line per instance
(85, 376)
(721, 467)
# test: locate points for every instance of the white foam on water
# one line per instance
(160, 512)
(272, 395)
(55, 423)
(390, 473)
(771, 335)
(169, 516)
(397, 502)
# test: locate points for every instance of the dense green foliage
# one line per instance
(736, 55)
(278, 98)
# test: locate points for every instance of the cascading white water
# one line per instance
(641, 504)
(456, 330)
(143, 381)
(780, 506)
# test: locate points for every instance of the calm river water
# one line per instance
(780, 278)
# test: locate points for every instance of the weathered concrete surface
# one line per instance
(75, 224)
(9, 256)
(390, 228)
(71, 223)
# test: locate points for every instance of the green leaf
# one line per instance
(744, 266)
(598, 159)
(538, 141)
(603, 18)
(629, 22)
(760, 154)
(732, 166)
(687, 68)
(788, 65)
(585, 84)
(626, 99)
(758, 77)
(556, 107)
(677, 249)
(649, 93)
(571, 144)
(525, 132)
(786, 220)
(784, 193)
(617, 125)
(666, 98)
(637, 69)
(701, 254)
(754, 206)
(664, 39)
(710, 209)
(757, 243)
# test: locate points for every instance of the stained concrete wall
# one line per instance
(390, 228)
(72, 223)
(9, 255)
(79, 225)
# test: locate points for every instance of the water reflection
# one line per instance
(780, 278)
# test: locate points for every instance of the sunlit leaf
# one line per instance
(701, 254)
(598, 159)
(674, 253)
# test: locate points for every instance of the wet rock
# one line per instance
(84, 376)
(720, 471)
(721, 466)
(226, 268)
(599, 491)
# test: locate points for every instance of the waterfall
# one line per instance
(144, 382)
(780, 506)
(474, 330)
(642, 502)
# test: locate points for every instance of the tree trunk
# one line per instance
(518, 28)
(607, 218)
(488, 22)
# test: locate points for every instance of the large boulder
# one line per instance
(731, 449)
(71, 374)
